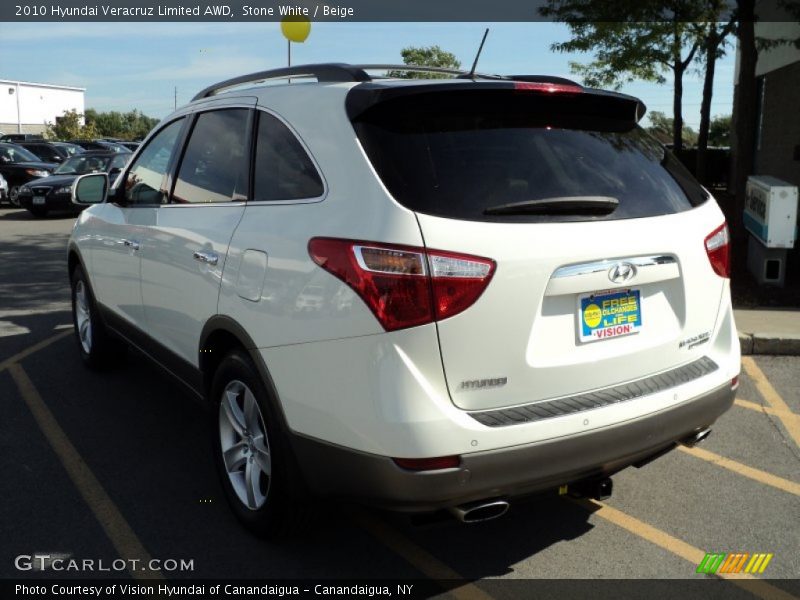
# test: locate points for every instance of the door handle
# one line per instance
(210, 258)
(132, 244)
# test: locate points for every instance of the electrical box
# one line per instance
(770, 211)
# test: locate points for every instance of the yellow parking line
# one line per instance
(678, 547)
(31, 350)
(105, 511)
(421, 559)
(765, 409)
(740, 469)
(774, 399)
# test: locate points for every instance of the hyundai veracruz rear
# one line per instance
(424, 294)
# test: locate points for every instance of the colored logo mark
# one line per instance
(736, 562)
(592, 315)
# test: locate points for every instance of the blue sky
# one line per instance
(138, 65)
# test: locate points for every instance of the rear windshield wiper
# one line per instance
(577, 205)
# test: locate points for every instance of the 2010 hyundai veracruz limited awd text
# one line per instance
(423, 294)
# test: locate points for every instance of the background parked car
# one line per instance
(20, 137)
(132, 146)
(100, 145)
(19, 166)
(51, 151)
(53, 193)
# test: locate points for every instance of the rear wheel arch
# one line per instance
(222, 335)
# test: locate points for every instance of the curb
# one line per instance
(784, 344)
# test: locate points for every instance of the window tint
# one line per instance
(10, 153)
(459, 154)
(144, 179)
(283, 170)
(44, 152)
(215, 165)
(118, 162)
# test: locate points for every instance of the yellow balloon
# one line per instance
(296, 29)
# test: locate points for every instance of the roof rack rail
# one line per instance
(331, 72)
(334, 72)
(412, 68)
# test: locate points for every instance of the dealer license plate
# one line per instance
(609, 314)
(38, 199)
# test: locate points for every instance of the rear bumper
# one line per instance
(508, 472)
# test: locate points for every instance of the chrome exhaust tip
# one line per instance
(476, 512)
(694, 439)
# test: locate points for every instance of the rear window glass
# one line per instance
(460, 154)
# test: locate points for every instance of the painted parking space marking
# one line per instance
(32, 350)
(772, 397)
(91, 490)
(678, 547)
(130, 547)
(766, 409)
(419, 558)
(740, 469)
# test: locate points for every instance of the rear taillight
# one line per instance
(405, 286)
(718, 244)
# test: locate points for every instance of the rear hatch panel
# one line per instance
(602, 273)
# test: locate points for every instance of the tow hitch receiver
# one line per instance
(597, 489)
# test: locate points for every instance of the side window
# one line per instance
(119, 160)
(283, 170)
(215, 165)
(144, 179)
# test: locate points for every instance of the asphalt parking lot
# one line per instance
(117, 465)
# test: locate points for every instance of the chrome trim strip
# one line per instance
(600, 266)
(559, 407)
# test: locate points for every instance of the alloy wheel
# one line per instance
(245, 445)
(83, 317)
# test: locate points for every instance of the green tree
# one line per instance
(661, 126)
(427, 56)
(712, 35)
(719, 133)
(69, 127)
(130, 125)
(631, 39)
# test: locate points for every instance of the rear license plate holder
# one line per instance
(609, 314)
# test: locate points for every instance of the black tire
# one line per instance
(98, 348)
(38, 212)
(13, 196)
(283, 504)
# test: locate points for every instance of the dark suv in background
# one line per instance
(56, 152)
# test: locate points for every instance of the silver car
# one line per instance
(3, 189)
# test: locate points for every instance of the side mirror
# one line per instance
(90, 189)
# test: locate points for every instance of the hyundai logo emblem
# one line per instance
(622, 272)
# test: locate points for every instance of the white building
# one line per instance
(25, 107)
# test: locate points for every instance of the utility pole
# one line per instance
(175, 107)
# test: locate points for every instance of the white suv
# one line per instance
(423, 294)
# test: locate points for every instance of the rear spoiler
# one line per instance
(364, 96)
